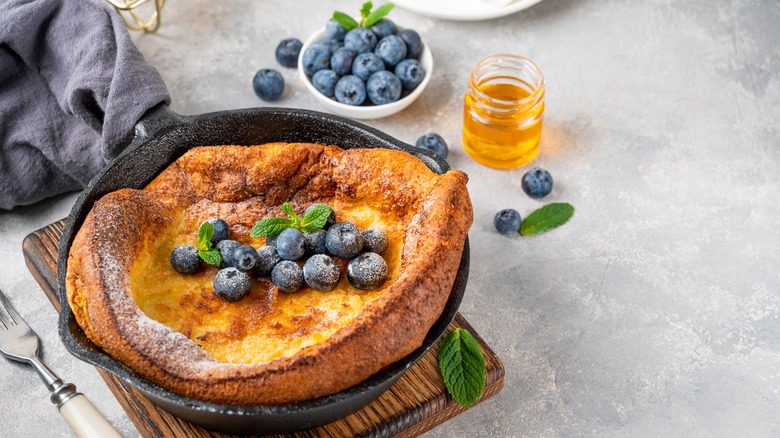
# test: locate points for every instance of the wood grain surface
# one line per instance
(413, 405)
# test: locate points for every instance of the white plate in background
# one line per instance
(465, 10)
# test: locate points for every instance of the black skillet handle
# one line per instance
(154, 122)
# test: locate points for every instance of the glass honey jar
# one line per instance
(503, 111)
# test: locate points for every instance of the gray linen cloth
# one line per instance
(72, 86)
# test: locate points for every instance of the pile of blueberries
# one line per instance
(278, 259)
(375, 63)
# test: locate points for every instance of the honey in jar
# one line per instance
(503, 111)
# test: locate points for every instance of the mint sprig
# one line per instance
(546, 218)
(462, 366)
(368, 17)
(206, 250)
(313, 220)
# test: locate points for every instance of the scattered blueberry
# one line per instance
(360, 40)
(374, 240)
(231, 284)
(287, 276)
(341, 61)
(331, 219)
(287, 52)
(410, 73)
(314, 242)
(350, 90)
(325, 82)
(434, 143)
(507, 221)
(244, 258)
(391, 49)
(267, 258)
(226, 248)
(383, 87)
(268, 84)
(289, 244)
(271, 240)
(367, 64)
(344, 240)
(321, 272)
(221, 229)
(383, 28)
(185, 259)
(367, 271)
(413, 42)
(316, 58)
(334, 31)
(537, 183)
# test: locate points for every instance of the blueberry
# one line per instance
(226, 248)
(314, 242)
(507, 221)
(374, 240)
(271, 240)
(360, 40)
(413, 42)
(221, 229)
(410, 73)
(434, 143)
(332, 46)
(287, 276)
(316, 58)
(267, 258)
(350, 90)
(383, 87)
(341, 61)
(344, 240)
(367, 271)
(334, 31)
(185, 259)
(321, 272)
(244, 258)
(268, 84)
(287, 52)
(231, 284)
(391, 49)
(325, 82)
(367, 64)
(383, 28)
(537, 183)
(331, 219)
(289, 244)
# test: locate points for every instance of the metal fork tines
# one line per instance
(20, 343)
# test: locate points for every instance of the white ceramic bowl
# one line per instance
(367, 110)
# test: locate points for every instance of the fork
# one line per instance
(19, 342)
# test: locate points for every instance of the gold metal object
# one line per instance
(128, 9)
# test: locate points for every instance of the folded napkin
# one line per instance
(72, 86)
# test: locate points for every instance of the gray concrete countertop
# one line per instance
(654, 312)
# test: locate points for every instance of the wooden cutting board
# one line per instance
(413, 405)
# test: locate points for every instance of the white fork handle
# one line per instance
(85, 420)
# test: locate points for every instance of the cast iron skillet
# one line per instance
(161, 137)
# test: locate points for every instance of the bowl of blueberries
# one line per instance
(366, 72)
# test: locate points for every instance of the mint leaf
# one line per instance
(345, 20)
(272, 226)
(205, 233)
(546, 218)
(211, 256)
(315, 218)
(462, 366)
(296, 220)
(365, 11)
(378, 14)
